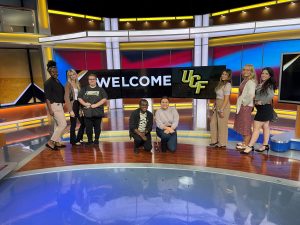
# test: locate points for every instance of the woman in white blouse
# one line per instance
(221, 111)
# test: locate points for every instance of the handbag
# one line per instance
(274, 114)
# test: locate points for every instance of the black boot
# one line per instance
(163, 146)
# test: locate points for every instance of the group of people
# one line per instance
(84, 104)
(251, 94)
(141, 122)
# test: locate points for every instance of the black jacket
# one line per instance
(134, 121)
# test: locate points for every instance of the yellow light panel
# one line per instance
(155, 18)
(93, 18)
(284, 1)
(253, 6)
(127, 19)
(184, 17)
(220, 13)
(50, 11)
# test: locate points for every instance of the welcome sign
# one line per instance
(185, 82)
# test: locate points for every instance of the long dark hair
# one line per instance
(222, 83)
(270, 83)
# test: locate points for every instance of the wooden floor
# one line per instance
(187, 154)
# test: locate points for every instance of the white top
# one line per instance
(225, 90)
(143, 122)
(247, 96)
(75, 93)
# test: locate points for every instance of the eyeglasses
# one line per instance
(92, 79)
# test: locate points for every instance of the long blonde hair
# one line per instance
(253, 73)
(69, 73)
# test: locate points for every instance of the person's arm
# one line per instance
(102, 101)
(98, 104)
(248, 93)
(80, 98)
(158, 120)
(67, 99)
(49, 107)
(150, 122)
(175, 119)
(47, 91)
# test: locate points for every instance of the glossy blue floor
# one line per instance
(141, 194)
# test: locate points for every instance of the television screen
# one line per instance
(289, 85)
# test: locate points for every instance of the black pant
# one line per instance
(138, 141)
(73, 138)
(90, 123)
(73, 121)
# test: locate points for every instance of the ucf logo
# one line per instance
(194, 81)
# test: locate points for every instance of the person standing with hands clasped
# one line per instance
(93, 98)
(221, 111)
(54, 95)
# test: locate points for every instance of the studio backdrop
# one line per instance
(187, 82)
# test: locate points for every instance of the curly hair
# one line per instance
(51, 64)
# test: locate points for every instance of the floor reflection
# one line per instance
(145, 196)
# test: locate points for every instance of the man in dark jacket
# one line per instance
(140, 126)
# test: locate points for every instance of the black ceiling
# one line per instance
(149, 8)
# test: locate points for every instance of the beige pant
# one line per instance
(60, 122)
(219, 126)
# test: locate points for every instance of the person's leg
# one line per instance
(163, 139)
(172, 142)
(257, 125)
(89, 129)
(137, 142)
(61, 123)
(148, 143)
(214, 128)
(97, 129)
(81, 129)
(73, 121)
(223, 128)
(256, 128)
(266, 132)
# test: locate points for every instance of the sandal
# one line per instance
(59, 145)
(52, 148)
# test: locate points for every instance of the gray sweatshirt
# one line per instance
(167, 117)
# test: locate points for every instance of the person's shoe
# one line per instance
(241, 147)
(136, 150)
(59, 145)
(221, 146)
(263, 148)
(54, 148)
(163, 146)
(89, 143)
(76, 144)
(248, 149)
(96, 142)
(212, 145)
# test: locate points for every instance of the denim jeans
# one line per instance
(169, 139)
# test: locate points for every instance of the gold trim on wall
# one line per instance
(157, 45)
(20, 38)
(85, 46)
(254, 38)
